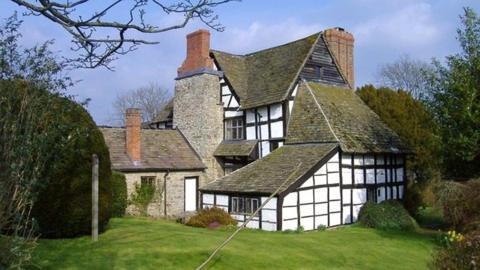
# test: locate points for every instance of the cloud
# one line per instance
(408, 26)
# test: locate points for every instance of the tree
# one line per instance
(455, 101)
(405, 74)
(99, 38)
(411, 120)
(149, 99)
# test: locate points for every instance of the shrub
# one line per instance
(119, 194)
(63, 206)
(208, 216)
(142, 197)
(387, 215)
(459, 203)
(321, 227)
(460, 254)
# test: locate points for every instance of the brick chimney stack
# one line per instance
(133, 119)
(340, 44)
(198, 52)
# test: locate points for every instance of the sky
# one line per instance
(384, 30)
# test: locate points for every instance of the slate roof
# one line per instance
(238, 148)
(264, 77)
(267, 174)
(160, 150)
(356, 126)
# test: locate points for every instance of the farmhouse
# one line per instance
(284, 118)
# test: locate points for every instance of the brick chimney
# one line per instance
(198, 52)
(133, 137)
(340, 44)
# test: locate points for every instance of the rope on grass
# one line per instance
(248, 220)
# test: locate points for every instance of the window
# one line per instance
(244, 205)
(148, 181)
(234, 129)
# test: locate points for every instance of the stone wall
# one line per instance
(198, 114)
(174, 190)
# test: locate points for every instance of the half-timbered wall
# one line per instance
(266, 124)
(230, 101)
(265, 220)
(317, 201)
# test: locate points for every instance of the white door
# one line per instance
(190, 194)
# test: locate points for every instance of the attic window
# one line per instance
(318, 71)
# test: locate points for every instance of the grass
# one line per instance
(140, 243)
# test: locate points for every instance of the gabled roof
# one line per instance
(269, 173)
(264, 77)
(237, 148)
(323, 114)
(160, 150)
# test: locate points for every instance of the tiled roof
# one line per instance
(160, 150)
(340, 116)
(269, 173)
(238, 148)
(264, 77)
(165, 114)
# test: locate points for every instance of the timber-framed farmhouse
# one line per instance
(245, 123)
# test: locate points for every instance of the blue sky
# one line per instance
(383, 30)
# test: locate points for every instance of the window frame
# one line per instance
(235, 129)
(244, 205)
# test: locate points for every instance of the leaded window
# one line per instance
(234, 129)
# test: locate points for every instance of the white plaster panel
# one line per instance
(308, 183)
(277, 129)
(380, 194)
(321, 220)
(290, 199)
(265, 148)
(264, 132)
(335, 206)
(346, 159)
(234, 103)
(306, 210)
(359, 195)
(380, 176)
(358, 176)
(226, 90)
(225, 100)
(389, 195)
(334, 193)
(347, 215)
(335, 219)
(222, 200)
(346, 196)
(306, 196)
(356, 210)
(294, 92)
(346, 176)
(399, 174)
(262, 114)
(272, 204)
(276, 111)
(289, 212)
(289, 224)
(269, 215)
(224, 208)
(269, 226)
(208, 198)
(321, 208)
(307, 223)
(380, 159)
(370, 176)
(233, 113)
(400, 192)
(251, 133)
(333, 178)
(358, 160)
(320, 180)
(250, 116)
(321, 194)
(322, 170)
(333, 167)
(290, 106)
(238, 217)
(253, 225)
(369, 160)
(394, 193)
(205, 206)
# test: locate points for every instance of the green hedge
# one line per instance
(63, 204)
(119, 194)
(387, 215)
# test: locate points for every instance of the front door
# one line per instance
(191, 191)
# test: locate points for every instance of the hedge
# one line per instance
(119, 194)
(387, 215)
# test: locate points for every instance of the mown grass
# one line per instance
(140, 243)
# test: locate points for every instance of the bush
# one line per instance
(387, 215)
(459, 203)
(461, 253)
(208, 216)
(63, 205)
(142, 197)
(119, 194)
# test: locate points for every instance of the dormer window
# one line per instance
(234, 129)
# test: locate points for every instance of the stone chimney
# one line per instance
(133, 119)
(198, 52)
(340, 44)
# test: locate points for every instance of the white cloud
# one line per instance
(408, 26)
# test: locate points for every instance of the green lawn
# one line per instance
(136, 243)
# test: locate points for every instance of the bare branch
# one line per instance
(92, 35)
